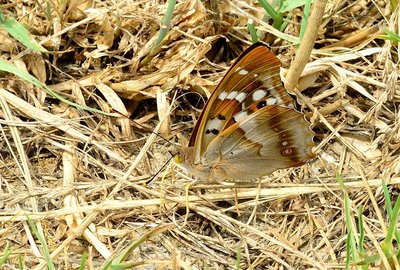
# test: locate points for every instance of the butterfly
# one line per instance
(248, 127)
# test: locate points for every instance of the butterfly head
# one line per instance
(184, 160)
(181, 158)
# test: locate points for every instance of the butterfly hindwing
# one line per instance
(272, 138)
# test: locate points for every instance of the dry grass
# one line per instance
(79, 175)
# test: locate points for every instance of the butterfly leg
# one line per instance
(187, 187)
(236, 202)
(254, 212)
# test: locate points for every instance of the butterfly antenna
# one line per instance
(162, 168)
(156, 134)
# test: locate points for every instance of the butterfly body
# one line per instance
(248, 127)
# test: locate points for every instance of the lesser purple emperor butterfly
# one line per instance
(249, 127)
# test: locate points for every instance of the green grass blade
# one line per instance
(304, 20)
(351, 245)
(348, 251)
(289, 5)
(238, 258)
(118, 261)
(361, 231)
(393, 36)
(269, 9)
(252, 30)
(166, 25)
(4, 66)
(340, 181)
(286, 22)
(83, 261)
(388, 247)
(19, 32)
(388, 200)
(20, 262)
(6, 254)
(42, 241)
(389, 210)
(369, 260)
(279, 18)
(393, 5)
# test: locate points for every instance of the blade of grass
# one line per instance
(252, 30)
(269, 9)
(393, 4)
(361, 230)
(20, 262)
(351, 246)
(7, 253)
(41, 239)
(83, 261)
(238, 258)
(388, 200)
(349, 227)
(387, 243)
(279, 18)
(393, 36)
(389, 209)
(166, 24)
(19, 32)
(118, 260)
(289, 5)
(348, 251)
(4, 66)
(286, 22)
(304, 20)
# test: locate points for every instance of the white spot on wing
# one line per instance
(240, 115)
(279, 100)
(223, 95)
(275, 95)
(214, 124)
(232, 95)
(271, 101)
(243, 72)
(259, 94)
(240, 97)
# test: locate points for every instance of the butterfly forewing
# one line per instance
(252, 81)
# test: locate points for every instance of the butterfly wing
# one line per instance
(248, 127)
(252, 81)
(271, 138)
